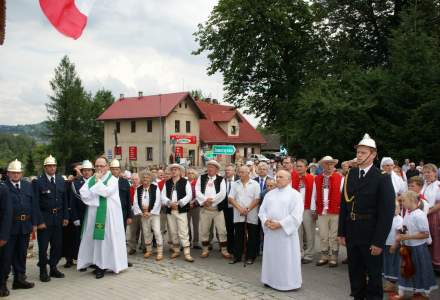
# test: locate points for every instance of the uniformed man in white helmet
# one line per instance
(366, 215)
(50, 191)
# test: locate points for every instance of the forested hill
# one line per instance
(39, 132)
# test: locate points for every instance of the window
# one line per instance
(133, 126)
(180, 105)
(118, 127)
(186, 105)
(177, 126)
(149, 125)
(253, 150)
(188, 126)
(149, 153)
(233, 130)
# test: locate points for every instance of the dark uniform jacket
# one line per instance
(368, 217)
(5, 213)
(78, 208)
(124, 195)
(52, 200)
(24, 208)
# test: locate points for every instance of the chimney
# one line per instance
(121, 96)
(140, 94)
(208, 100)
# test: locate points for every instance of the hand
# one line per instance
(98, 175)
(399, 238)
(2, 243)
(145, 214)
(129, 221)
(267, 223)
(341, 240)
(192, 204)
(243, 211)
(274, 225)
(78, 170)
(173, 205)
(375, 251)
(77, 223)
(208, 202)
(314, 215)
(41, 226)
(65, 222)
(393, 249)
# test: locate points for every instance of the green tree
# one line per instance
(68, 110)
(30, 166)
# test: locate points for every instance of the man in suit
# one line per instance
(366, 215)
(262, 171)
(227, 208)
(24, 217)
(50, 192)
(5, 229)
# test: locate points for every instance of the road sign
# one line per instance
(109, 154)
(209, 155)
(223, 149)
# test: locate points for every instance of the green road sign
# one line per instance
(209, 155)
(223, 149)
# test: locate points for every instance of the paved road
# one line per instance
(211, 278)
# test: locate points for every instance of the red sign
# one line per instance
(183, 139)
(132, 153)
(179, 151)
(118, 150)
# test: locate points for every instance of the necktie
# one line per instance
(261, 183)
(229, 186)
(362, 174)
(17, 186)
(52, 180)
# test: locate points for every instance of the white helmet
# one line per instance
(15, 166)
(86, 164)
(115, 164)
(367, 141)
(50, 161)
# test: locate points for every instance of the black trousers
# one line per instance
(229, 222)
(14, 254)
(71, 241)
(240, 238)
(363, 265)
(52, 235)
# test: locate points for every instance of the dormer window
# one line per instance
(233, 130)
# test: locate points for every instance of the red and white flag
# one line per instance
(68, 16)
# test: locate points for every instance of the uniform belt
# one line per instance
(359, 217)
(23, 218)
(54, 211)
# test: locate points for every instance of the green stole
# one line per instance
(101, 212)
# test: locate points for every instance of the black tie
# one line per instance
(17, 186)
(52, 180)
(362, 174)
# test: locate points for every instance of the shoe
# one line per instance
(68, 264)
(99, 273)
(21, 283)
(83, 270)
(234, 261)
(148, 254)
(175, 254)
(225, 253)
(197, 247)
(333, 264)
(44, 277)
(4, 292)
(55, 273)
(189, 258)
(129, 264)
(389, 287)
(250, 262)
(306, 261)
(159, 255)
(322, 262)
(131, 252)
(204, 254)
(210, 247)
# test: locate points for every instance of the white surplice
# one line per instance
(281, 267)
(110, 253)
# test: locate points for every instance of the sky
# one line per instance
(126, 47)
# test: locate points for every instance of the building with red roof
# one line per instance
(158, 129)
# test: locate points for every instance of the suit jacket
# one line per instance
(373, 196)
(51, 197)
(257, 179)
(124, 195)
(78, 208)
(23, 203)
(225, 204)
(5, 213)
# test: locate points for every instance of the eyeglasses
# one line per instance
(100, 166)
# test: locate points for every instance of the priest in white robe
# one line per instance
(281, 216)
(103, 235)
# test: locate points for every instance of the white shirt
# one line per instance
(314, 197)
(432, 192)
(182, 202)
(15, 184)
(416, 222)
(49, 177)
(365, 169)
(397, 225)
(245, 195)
(210, 191)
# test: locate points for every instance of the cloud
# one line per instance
(128, 46)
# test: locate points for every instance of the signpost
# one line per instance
(132, 153)
(183, 139)
(223, 149)
(209, 155)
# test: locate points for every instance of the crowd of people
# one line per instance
(101, 215)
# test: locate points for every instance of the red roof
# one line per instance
(212, 133)
(143, 107)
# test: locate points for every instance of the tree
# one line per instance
(30, 166)
(265, 50)
(68, 110)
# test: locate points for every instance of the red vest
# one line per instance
(334, 194)
(308, 183)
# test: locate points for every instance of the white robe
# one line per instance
(281, 267)
(110, 253)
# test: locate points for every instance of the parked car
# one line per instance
(258, 157)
